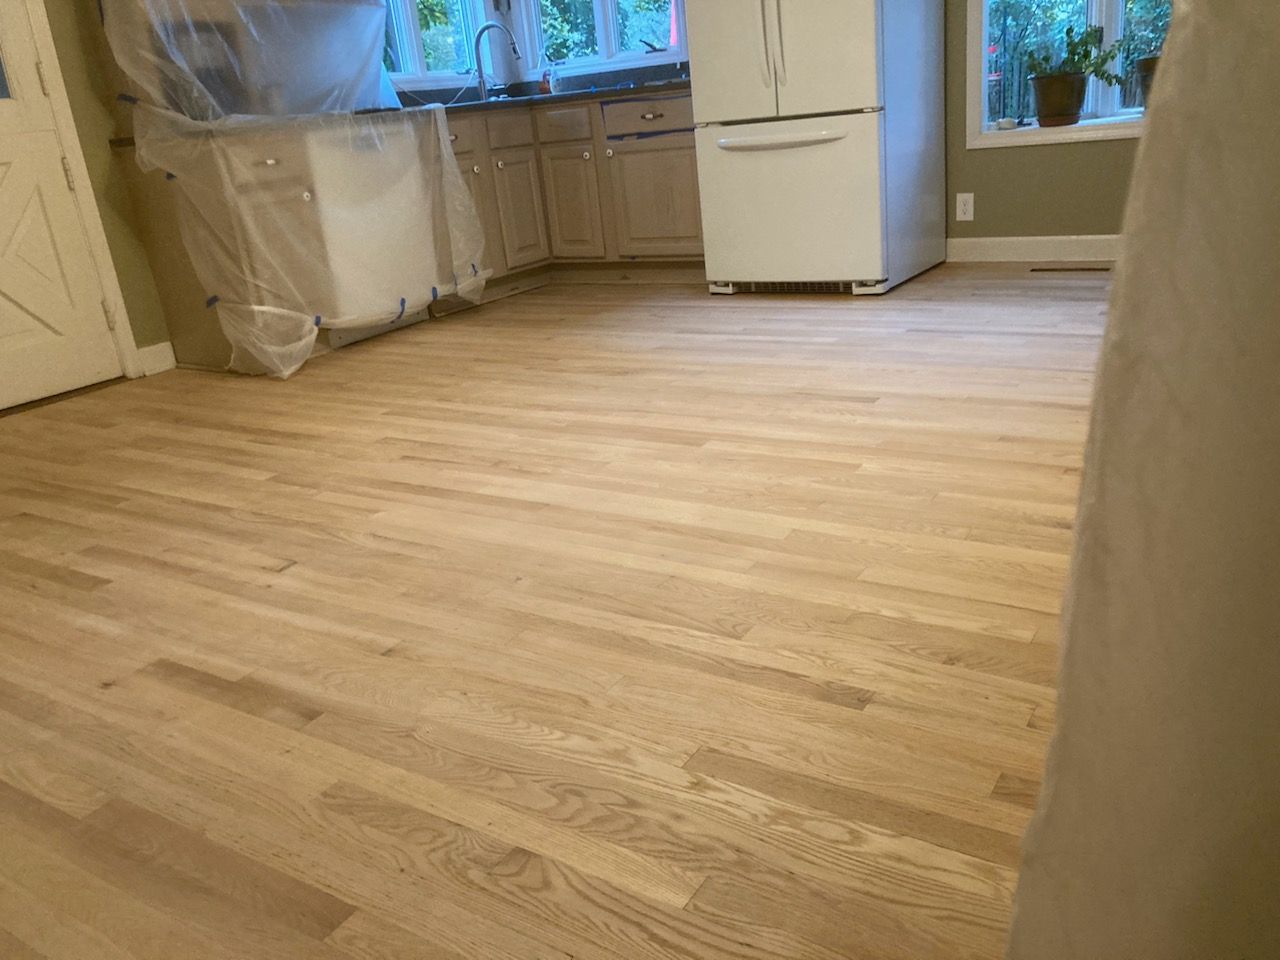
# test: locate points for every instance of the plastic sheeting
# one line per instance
(298, 211)
(206, 59)
(1158, 831)
(332, 220)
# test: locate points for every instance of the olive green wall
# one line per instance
(1051, 190)
(77, 35)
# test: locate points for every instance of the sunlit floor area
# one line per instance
(599, 622)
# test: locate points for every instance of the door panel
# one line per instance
(53, 330)
(573, 200)
(655, 197)
(796, 200)
(524, 235)
(475, 169)
(730, 60)
(23, 104)
(827, 55)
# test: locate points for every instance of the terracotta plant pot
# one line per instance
(1146, 68)
(1059, 98)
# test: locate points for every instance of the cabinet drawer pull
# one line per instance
(586, 154)
(476, 169)
(502, 165)
(609, 152)
(270, 161)
(652, 116)
(453, 137)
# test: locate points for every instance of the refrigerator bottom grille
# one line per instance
(798, 286)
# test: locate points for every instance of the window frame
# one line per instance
(1104, 117)
(403, 12)
(608, 58)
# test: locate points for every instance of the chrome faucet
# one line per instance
(485, 28)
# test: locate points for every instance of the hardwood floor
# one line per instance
(602, 622)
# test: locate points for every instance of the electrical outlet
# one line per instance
(964, 206)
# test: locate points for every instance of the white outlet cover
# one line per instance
(964, 207)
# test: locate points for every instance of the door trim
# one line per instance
(116, 315)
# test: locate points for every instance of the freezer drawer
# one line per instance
(793, 200)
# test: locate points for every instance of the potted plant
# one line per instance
(1146, 25)
(1060, 84)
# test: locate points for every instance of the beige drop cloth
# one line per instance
(1158, 834)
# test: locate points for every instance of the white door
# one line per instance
(53, 327)
(827, 55)
(793, 200)
(731, 59)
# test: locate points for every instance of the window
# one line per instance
(1004, 33)
(598, 34)
(430, 39)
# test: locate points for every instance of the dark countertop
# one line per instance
(665, 87)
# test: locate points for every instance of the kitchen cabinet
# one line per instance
(468, 137)
(655, 196)
(573, 200)
(475, 170)
(520, 210)
(604, 179)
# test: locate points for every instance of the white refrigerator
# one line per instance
(820, 137)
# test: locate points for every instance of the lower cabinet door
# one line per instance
(519, 196)
(475, 170)
(573, 199)
(655, 196)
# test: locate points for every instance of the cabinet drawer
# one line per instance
(510, 128)
(564, 123)
(464, 133)
(660, 115)
(265, 162)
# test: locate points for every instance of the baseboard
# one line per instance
(1032, 249)
(641, 272)
(156, 358)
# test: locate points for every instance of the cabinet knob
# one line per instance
(453, 137)
(651, 116)
(502, 165)
(586, 154)
(271, 161)
(609, 152)
(306, 195)
(476, 169)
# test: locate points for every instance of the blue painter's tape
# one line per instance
(126, 98)
(211, 302)
(435, 294)
(317, 321)
(401, 313)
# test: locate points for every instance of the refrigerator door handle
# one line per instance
(781, 141)
(766, 67)
(780, 63)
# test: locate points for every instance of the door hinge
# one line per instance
(44, 83)
(66, 169)
(106, 312)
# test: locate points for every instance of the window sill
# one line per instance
(433, 81)
(1104, 128)
(626, 62)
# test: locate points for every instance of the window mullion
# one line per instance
(413, 36)
(1110, 16)
(607, 28)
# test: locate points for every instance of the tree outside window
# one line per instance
(1016, 28)
(569, 29)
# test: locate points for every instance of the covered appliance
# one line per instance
(820, 142)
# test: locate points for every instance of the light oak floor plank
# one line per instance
(612, 623)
